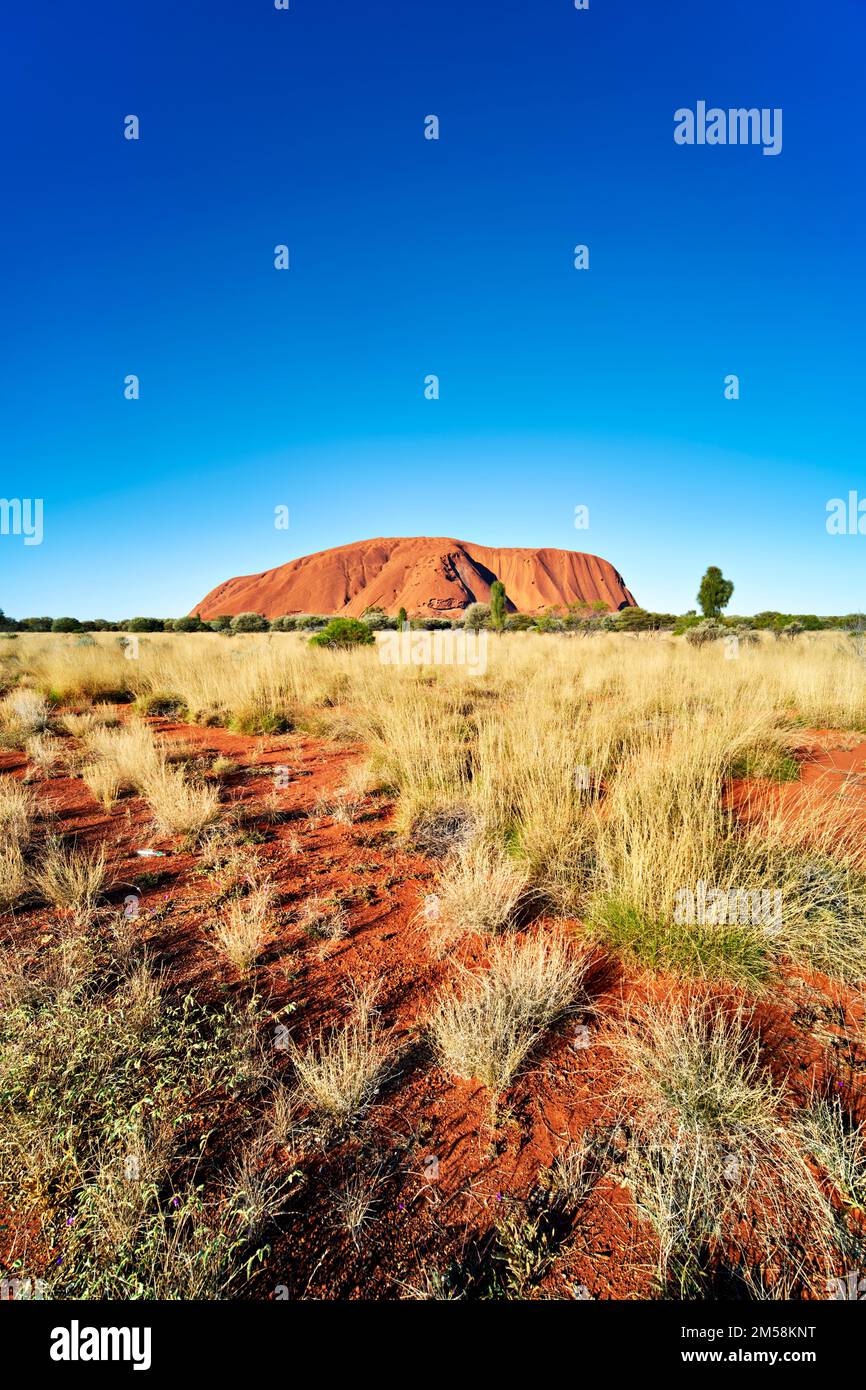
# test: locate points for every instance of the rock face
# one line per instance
(432, 576)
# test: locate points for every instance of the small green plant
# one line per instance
(729, 951)
(524, 1248)
(344, 633)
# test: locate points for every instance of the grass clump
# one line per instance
(487, 1032)
(839, 1145)
(180, 804)
(712, 1139)
(69, 878)
(23, 713)
(102, 782)
(128, 754)
(339, 1075)
(43, 753)
(162, 704)
(244, 929)
(479, 890)
(14, 879)
(17, 812)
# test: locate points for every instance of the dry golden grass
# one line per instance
(43, 753)
(102, 781)
(839, 1144)
(78, 725)
(69, 878)
(479, 889)
(180, 805)
(597, 763)
(339, 1075)
(13, 876)
(486, 1032)
(129, 753)
(23, 713)
(17, 810)
(712, 1137)
(223, 767)
(244, 928)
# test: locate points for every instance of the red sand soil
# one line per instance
(487, 1164)
(832, 770)
(433, 576)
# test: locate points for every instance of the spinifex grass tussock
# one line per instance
(180, 804)
(129, 753)
(102, 782)
(486, 1031)
(479, 889)
(13, 875)
(78, 725)
(17, 812)
(838, 1143)
(664, 831)
(713, 1138)
(70, 878)
(23, 714)
(44, 752)
(339, 1074)
(244, 927)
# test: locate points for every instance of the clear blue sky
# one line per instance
(304, 388)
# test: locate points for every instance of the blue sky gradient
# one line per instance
(304, 388)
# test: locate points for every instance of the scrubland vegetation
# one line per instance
(568, 803)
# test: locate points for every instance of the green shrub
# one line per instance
(344, 632)
(476, 616)
(250, 622)
(377, 619)
(707, 631)
(143, 625)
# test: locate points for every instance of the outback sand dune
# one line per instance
(423, 574)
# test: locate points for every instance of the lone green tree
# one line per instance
(714, 593)
(402, 619)
(497, 605)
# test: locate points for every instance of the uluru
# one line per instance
(431, 576)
